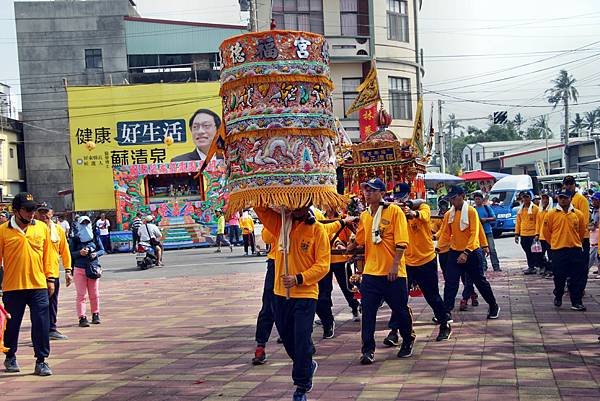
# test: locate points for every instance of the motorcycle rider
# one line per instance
(150, 233)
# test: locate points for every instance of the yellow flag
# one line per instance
(417, 138)
(368, 92)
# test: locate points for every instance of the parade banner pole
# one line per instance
(285, 250)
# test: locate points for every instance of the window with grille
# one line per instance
(93, 58)
(349, 93)
(400, 98)
(300, 15)
(397, 20)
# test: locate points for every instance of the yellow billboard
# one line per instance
(121, 125)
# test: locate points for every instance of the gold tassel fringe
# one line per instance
(291, 198)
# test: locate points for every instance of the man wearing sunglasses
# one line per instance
(25, 252)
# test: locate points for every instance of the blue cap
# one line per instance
(401, 190)
(374, 183)
(455, 190)
(564, 192)
(596, 196)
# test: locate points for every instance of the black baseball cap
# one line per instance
(24, 200)
(45, 206)
(569, 180)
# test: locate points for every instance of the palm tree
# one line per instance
(592, 121)
(519, 121)
(541, 124)
(452, 124)
(577, 125)
(563, 91)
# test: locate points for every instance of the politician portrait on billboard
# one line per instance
(203, 126)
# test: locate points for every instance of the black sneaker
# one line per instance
(329, 332)
(530, 271)
(445, 332)
(11, 365)
(315, 366)
(493, 312)
(367, 358)
(83, 322)
(42, 369)
(279, 340)
(260, 356)
(578, 307)
(557, 302)
(392, 339)
(406, 348)
(95, 318)
(356, 315)
(57, 335)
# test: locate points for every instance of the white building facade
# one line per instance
(359, 31)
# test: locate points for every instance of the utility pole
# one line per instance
(417, 58)
(442, 149)
(253, 16)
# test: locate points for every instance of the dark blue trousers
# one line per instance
(294, 320)
(566, 263)
(324, 303)
(15, 303)
(426, 277)
(342, 273)
(266, 316)
(474, 270)
(53, 300)
(395, 293)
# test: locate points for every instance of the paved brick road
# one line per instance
(192, 339)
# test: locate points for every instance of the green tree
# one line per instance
(541, 125)
(452, 125)
(563, 92)
(591, 121)
(577, 125)
(519, 122)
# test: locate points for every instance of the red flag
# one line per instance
(367, 121)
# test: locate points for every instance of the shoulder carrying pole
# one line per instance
(285, 249)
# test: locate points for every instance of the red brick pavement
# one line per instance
(192, 339)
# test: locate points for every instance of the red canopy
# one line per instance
(481, 175)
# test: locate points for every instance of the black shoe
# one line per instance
(445, 332)
(329, 332)
(279, 340)
(95, 318)
(356, 315)
(406, 348)
(557, 302)
(392, 339)
(42, 369)
(497, 270)
(83, 322)
(11, 365)
(578, 307)
(530, 271)
(367, 358)
(493, 312)
(57, 335)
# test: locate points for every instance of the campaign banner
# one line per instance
(134, 124)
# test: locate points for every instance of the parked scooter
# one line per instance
(145, 256)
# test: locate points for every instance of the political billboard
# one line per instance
(134, 124)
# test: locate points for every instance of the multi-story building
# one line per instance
(12, 163)
(101, 42)
(359, 31)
